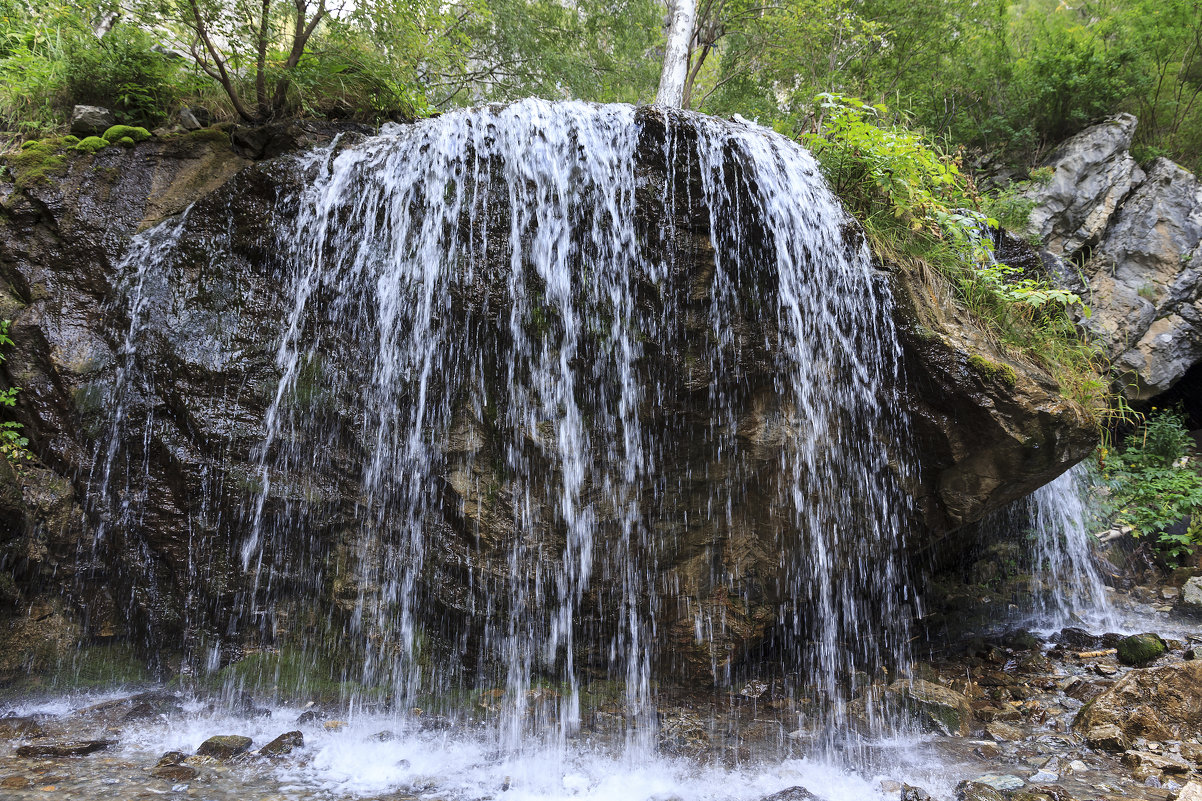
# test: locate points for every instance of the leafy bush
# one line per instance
(12, 444)
(1154, 487)
(917, 205)
(122, 73)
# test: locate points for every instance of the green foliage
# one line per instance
(12, 444)
(121, 72)
(1155, 485)
(119, 132)
(917, 206)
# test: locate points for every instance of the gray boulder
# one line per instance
(1092, 173)
(91, 120)
(1191, 593)
(1145, 282)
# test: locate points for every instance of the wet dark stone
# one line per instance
(911, 793)
(67, 748)
(12, 727)
(175, 773)
(224, 746)
(171, 758)
(791, 794)
(975, 791)
(310, 716)
(1077, 639)
(283, 744)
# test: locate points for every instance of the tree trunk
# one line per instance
(676, 54)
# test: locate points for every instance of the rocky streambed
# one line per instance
(1069, 715)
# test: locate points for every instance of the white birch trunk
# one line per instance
(676, 54)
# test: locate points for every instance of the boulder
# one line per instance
(1091, 175)
(1190, 792)
(91, 120)
(174, 773)
(284, 744)
(1140, 649)
(1159, 703)
(1145, 282)
(976, 791)
(1191, 593)
(224, 746)
(65, 748)
(193, 118)
(13, 727)
(1108, 737)
(1164, 763)
(791, 794)
(939, 708)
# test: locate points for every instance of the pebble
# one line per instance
(1044, 777)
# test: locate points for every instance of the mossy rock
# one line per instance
(1140, 649)
(36, 162)
(70, 139)
(126, 141)
(993, 370)
(119, 132)
(91, 144)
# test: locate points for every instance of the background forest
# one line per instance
(1008, 78)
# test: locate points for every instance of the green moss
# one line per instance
(206, 135)
(118, 132)
(126, 141)
(292, 673)
(993, 370)
(69, 140)
(90, 144)
(1140, 649)
(36, 162)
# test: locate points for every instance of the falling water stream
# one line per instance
(490, 321)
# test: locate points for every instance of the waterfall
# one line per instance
(1059, 517)
(549, 380)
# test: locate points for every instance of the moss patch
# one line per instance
(119, 132)
(1140, 649)
(36, 162)
(90, 144)
(992, 370)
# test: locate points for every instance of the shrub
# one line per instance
(122, 73)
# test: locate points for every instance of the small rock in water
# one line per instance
(1000, 781)
(974, 791)
(11, 727)
(174, 773)
(310, 716)
(1105, 670)
(1108, 737)
(1043, 777)
(1077, 766)
(171, 758)
(1169, 763)
(791, 794)
(890, 787)
(912, 793)
(1003, 732)
(283, 744)
(16, 782)
(333, 725)
(224, 746)
(68, 748)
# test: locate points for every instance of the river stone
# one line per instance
(792, 794)
(66, 748)
(1166, 763)
(1191, 593)
(13, 727)
(977, 791)
(224, 746)
(1003, 732)
(939, 708)
(1091, 174)
(283, 744)
(911, 793)
(175, 773)
(91, 120)
(1108, 737)
(1140, 649)
(1159, 703)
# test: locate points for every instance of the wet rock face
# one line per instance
(1133, 242)
(985, 431)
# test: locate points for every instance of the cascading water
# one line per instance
(612, 394)
(1059, 518)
